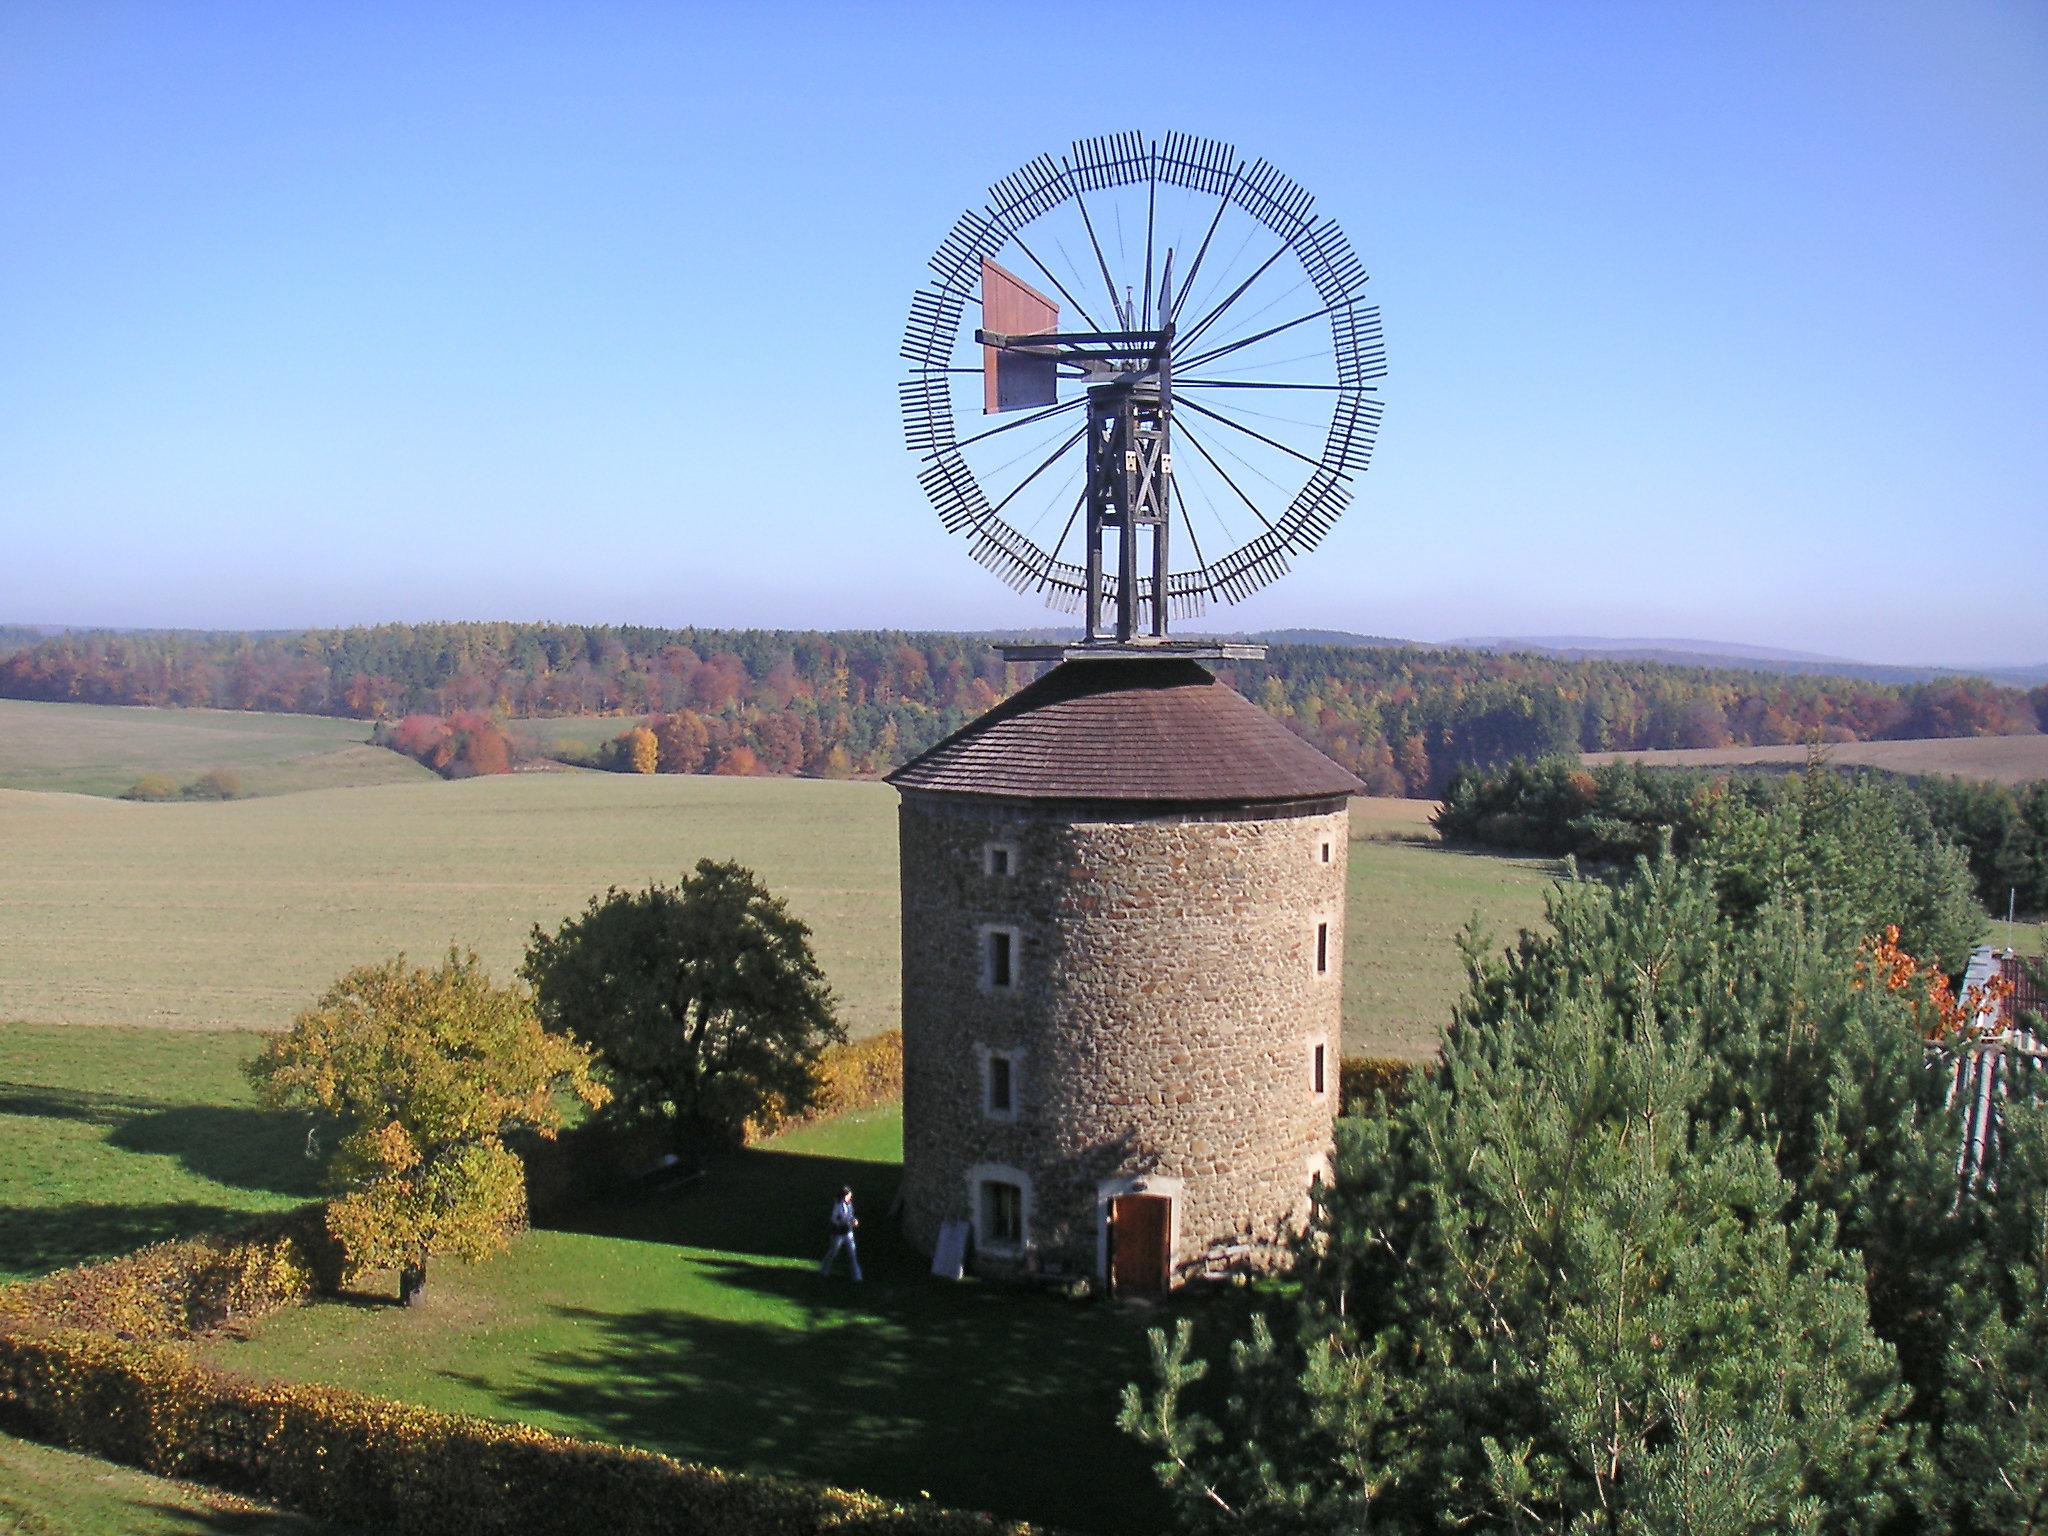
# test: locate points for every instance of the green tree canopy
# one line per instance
(1670, 1240)
(423, 1072)
(703, 1000)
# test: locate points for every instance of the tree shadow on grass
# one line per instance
(248, 1148)
(40, 1101)
(37, 1239)
(980, 1396)
(235, 1522)
(758, 1201)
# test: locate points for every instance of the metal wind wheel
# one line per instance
(1181, 370)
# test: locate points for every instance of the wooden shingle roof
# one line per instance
(1155, 729)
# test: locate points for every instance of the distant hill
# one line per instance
(1715, 653)
(1335, 637)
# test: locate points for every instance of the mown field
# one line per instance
(696, 1323)
(47, 1492)
(235, 915)
(2000, 759)
(113, 1138)
(93, 749)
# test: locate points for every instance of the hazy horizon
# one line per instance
(1723, 322)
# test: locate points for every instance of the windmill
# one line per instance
(1135, 297)
(1142, 378)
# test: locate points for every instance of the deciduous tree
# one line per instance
(421, 1073)
(702, 1000)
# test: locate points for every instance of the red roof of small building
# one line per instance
(1149, 729)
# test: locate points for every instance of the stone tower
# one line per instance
(1123, 926)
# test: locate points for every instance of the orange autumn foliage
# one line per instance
(1942, 1015)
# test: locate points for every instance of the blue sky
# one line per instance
(1720, 321)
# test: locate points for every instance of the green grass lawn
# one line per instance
(112, 1138)
(96, 749)
(237, 915)
(47, 1492)
(695, 1322)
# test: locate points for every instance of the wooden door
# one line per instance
(1140, 1239)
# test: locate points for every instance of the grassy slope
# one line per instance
(46, 1492)
(696, 1323)
(239, 914)
(93, 749)
(110, 1139)
(236, 915)
(2002, 759)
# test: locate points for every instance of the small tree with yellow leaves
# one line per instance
(422, 1072)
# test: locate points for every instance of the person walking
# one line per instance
(843, 1224)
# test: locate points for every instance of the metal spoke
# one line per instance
(1196, 442)
(1079, 308)
(1181, 383)
(1021, 421)
(1195, 405)
(1049, 460)
(1188, 522)
(1109, 282)
(1151, 206)
(1221, 208)
(1239, 346)
(1061, 543)
(1237, 293)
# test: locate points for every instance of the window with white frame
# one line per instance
(999, 859)
(999, 1198)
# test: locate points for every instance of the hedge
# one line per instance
(861, 1074)
(1361, 1079)
(178, 1289)
(389, 1466)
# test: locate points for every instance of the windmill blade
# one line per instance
(934, 321)
(1035, 187)
(1113, 160)
(1352, 431)
(954, 493)
(1275, 200)
(1330, 262)
(1361, 349)
(1200, 165)
(958, 258)
(1020, 563)
(1258, 564)
(1315, 511)
(927, 400)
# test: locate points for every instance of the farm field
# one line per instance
(48, 1492)
(696, 1323)
(236, 915)
(2000, 759)
(98, 749)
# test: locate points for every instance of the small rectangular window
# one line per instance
(999, 861)
(1002, 1213)
(999, 1085)
(1319, 1070)
(1326, 853)
(1322, 947)
(999, 959)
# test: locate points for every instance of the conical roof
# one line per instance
(1127, 729)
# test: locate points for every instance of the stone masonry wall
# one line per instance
(1163, 1016)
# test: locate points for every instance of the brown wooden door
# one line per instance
(1140, 1235)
